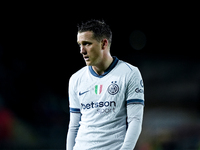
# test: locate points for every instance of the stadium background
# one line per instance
(39, 53)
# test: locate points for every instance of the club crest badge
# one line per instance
(113, 88)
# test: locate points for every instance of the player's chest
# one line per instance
(101, 89)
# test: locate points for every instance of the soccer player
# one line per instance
(106, 97)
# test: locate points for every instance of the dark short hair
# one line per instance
(100, 29)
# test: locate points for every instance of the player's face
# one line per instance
(90, 48)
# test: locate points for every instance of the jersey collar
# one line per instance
(112, 65)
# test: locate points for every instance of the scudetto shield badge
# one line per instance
(113, 88)
(98, 89)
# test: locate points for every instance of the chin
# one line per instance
(88, 63)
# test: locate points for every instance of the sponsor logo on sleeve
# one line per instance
(137, 90)
(141, 83)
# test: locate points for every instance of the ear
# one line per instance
(104, 43)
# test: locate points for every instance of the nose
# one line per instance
(82, 50)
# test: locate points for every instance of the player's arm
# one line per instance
(75, 115)
(72, 130)
(134, 119)
(135, 108)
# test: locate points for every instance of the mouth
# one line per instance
(86, 58)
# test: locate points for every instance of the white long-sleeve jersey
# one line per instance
(104, 103)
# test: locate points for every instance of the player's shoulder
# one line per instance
(78, 74)
(131, 72)
(127, 67)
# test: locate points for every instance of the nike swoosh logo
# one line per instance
(83, 93)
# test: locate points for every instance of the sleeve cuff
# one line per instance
(135, 101)
(74, 110)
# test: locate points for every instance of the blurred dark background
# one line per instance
(39, 53)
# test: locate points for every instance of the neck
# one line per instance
(104, 64)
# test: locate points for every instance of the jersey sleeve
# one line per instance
(74, 104)
(135, 88)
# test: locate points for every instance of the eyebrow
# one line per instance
(84, 42)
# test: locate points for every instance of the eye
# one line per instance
(86, 43)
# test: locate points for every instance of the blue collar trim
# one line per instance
(112, 65)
